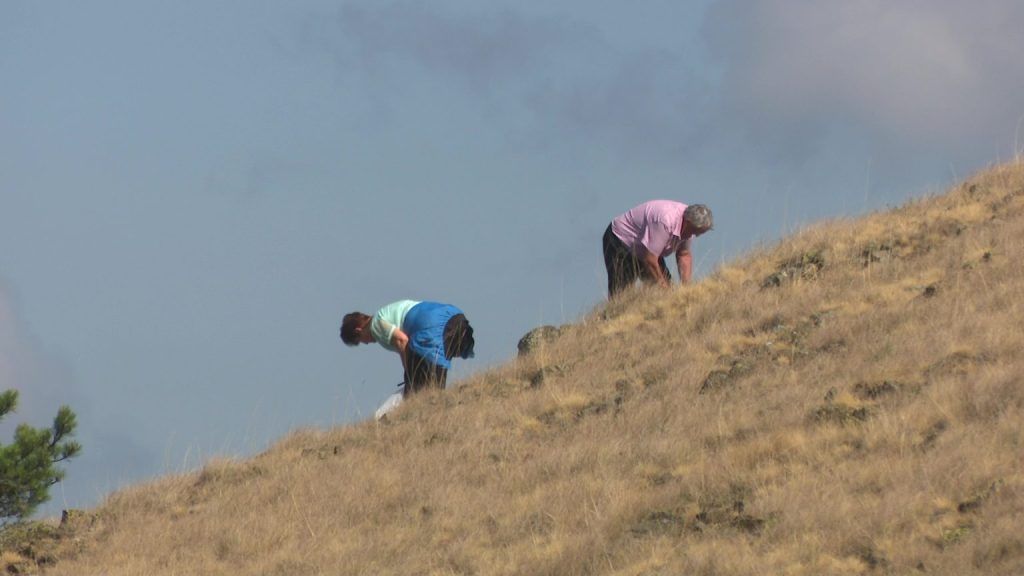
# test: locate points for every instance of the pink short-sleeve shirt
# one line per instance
(655, 225)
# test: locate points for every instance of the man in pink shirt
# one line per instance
(636, 243)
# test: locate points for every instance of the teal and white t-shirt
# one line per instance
(387, 319)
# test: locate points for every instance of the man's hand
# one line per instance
(652, 265)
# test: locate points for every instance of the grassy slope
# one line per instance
(866, 416)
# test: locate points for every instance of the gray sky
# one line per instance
(192, 194)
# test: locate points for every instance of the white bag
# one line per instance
(390, 404)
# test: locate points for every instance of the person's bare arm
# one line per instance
(652, 264)
(684, 261)
(401, 341)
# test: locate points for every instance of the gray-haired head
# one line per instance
(698, 216)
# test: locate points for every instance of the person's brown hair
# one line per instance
(349, 324)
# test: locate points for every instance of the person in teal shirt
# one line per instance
(426, 336)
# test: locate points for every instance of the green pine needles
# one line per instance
(28, 466)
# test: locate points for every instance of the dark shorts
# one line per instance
(623, 267)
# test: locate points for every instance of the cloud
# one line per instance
(644, 104)
(566, 76)
(898, 78)
(479, 50)
(42, 383)
(939, 77)
(9, 344)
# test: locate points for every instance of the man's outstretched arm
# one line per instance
(684, 261)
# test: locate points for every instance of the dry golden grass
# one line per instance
(846, 402)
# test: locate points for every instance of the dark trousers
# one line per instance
(623, 267)
(422, 373)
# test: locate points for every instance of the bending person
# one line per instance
(426, 335)
(636, 243)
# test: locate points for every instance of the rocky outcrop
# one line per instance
(538, 338)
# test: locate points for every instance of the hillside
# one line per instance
(849, 401)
